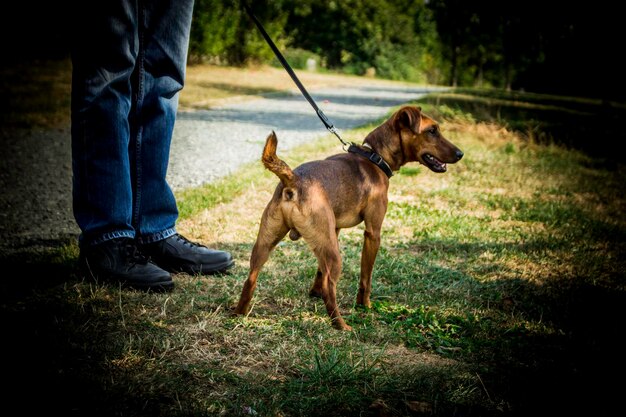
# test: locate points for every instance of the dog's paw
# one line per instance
(315, 293)
(340, 324)
(362, 307)
(237, 311)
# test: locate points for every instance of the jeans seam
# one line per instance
(139, 110)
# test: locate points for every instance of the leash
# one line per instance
(375, 158)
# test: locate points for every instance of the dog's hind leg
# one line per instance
(271, 231)
(316, 289)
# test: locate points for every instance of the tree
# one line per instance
(223, 33)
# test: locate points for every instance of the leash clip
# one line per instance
(332, 129)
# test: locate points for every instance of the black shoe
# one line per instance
(120, 260)
(177, 254)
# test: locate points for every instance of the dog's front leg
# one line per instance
(371, 245)
(318, 285)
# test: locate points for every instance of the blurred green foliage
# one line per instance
(483, 43)
(512, 45)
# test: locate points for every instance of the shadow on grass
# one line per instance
(62, 341)
(560, 353)
(62, 344)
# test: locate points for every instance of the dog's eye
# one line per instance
(433, 130)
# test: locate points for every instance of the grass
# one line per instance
(498, 291)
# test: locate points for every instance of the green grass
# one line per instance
(498, 291)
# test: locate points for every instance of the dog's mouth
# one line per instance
(433, 163)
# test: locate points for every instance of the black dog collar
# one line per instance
(375, 158)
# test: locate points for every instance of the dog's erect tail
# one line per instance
(275, 164)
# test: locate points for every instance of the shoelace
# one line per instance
(134, 254)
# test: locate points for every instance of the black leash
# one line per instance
(353, 148)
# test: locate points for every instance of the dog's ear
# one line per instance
(408, 117)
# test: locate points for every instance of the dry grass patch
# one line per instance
(208, 86)
(234, 222)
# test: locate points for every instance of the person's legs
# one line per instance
(104, 56)
(129, 65)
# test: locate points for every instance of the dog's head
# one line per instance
(422, 141)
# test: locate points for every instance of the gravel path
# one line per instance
(35, 165)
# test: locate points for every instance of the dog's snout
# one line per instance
(458, 154)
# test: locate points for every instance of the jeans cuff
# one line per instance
(83, 242)
(155, 237)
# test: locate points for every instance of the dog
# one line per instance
(319, 198)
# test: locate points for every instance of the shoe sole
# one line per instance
(164, 286)
(161, 286)
(217, 269)
(202, 269)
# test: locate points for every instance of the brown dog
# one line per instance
(318, 198)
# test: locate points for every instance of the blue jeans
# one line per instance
(128, 65)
